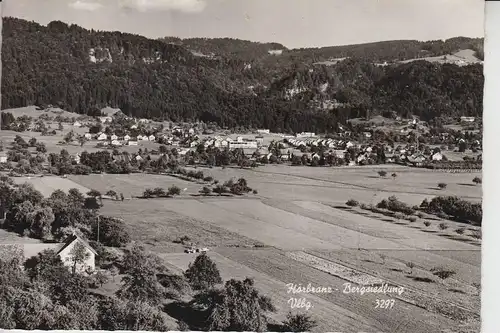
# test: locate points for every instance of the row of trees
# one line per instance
(27, 212)
(462, 210)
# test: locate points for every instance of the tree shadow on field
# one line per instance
(183, 311)
(430, 231)
(462, 184)
(396, 270)
(373, 177)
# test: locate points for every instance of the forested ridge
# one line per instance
(232, 82)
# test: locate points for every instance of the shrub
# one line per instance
(477, 180)
(476, 234)
(352, 203)
(173, 190)
(393, 204)
(205, 190)
(255, 192)
(412, 219)
(442, 273)
(443, 226)
(300, 322)
(394, 175)
(427, 223)
(442, 186)
(382, 173)
(460, 231)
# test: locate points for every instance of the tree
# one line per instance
(140, 283)
(236, 307)
(112, 231)
(81, 140)
(95, 194)
(427, 223)
(203, 273)
(477, 180)
(173, 190)
(205, 191)
(41, 222)
(394, 175)
(300, 322)
(442, 186)
(410, 265)
(78, 256)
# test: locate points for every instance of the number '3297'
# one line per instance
(384, 303)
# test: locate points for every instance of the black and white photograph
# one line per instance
(242, 165)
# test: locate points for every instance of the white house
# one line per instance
(102, 137)
(191, 131)
(437, 157)
(132, 143)
(88, 136)
(133, 127)
(66, 251)
(77, 124)
(306, 135)
(3, 157)
(243, 145)
(126, 137)
(239, 139)
(144, 121)
(116, 143)
(467, 119)
(105, 120)
(151, 138)
(263, 131)
(114, 137)
(138, 158)
(193, 144)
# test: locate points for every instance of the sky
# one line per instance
(293, 23)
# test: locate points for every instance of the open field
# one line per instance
(296, 211)
(48, 184)
(133, 185)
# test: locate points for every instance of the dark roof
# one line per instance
(73, 238)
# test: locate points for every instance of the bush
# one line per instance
(477, 180)
(393, 204)
(476, 234)
(443, 226)
(174, 190)
(427, 223)
(205, 190)
(442, 273)
(442, 186)
(300, 322)
(382, 173)
(460, 231)
(352, 203)
(412, 219)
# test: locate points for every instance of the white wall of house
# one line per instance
(66, 258)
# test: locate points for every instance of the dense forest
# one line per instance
(232, 82)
